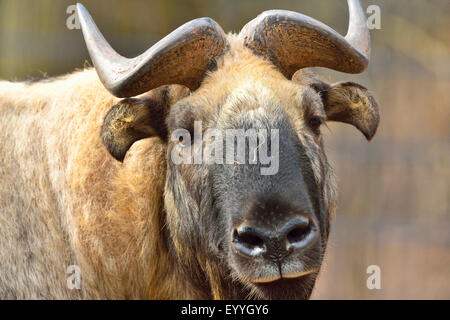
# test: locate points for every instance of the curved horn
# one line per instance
(293, 41)
(182, 57)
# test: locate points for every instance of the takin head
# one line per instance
(249, 192)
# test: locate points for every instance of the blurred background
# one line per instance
(393, 208)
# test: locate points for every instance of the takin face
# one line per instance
(234, 231)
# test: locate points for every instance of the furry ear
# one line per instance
(353, 104)
(346, 102)
(138, 118)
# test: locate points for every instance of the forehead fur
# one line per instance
(241, 72)
(244, 80)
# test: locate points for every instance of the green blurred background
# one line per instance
(394, 191)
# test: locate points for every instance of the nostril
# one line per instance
(297, 234)
(301, 233)
(249, 239)
(248, 243)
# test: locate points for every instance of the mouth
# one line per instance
(284, 276)
(298, 286)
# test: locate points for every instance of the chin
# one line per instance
(285, 289)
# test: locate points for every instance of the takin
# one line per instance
(88, 176)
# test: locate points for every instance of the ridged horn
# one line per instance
(293, 41)
(182, 57)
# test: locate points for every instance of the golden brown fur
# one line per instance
(66, 201)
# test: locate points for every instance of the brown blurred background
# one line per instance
(394, 191)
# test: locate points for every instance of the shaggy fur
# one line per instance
(66, 200)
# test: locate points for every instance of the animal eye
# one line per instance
(315, 122)
(181, 137)
(184, 140)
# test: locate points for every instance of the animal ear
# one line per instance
(346, 102)
(351, 103)
(137, 118)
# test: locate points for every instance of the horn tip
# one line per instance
(82, 11)
(80, 7)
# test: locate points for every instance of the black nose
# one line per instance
(253, 241)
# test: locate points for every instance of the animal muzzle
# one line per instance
(275, 239)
